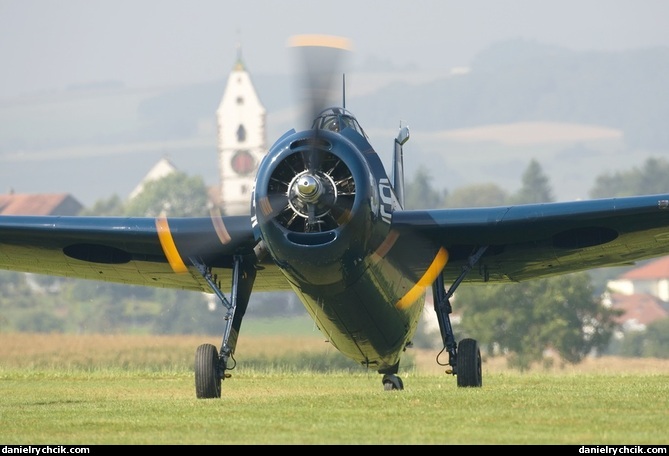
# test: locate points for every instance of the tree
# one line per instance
(526, 319)
(535, 188)
(177, 195)
(478, 195)
(187, 312)
(652, 178)
(653, 342)
(78, 305)
(419, 194)
(110, 207)
(31, 302)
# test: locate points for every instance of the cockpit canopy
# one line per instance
(336, 119)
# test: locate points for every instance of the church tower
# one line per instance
(241, 140)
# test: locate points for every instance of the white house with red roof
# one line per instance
(39, 204)
(651, 278)
(641, 293)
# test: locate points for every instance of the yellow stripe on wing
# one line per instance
(168, 245)
(430, 276)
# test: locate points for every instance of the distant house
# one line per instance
(641, 293)
(39, 204)
(163, 168)
(638, 310)
(651, 278)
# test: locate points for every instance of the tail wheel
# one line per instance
(392, 382)
(469, 364)
(207, 372)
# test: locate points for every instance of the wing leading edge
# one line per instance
(541, 240)
(524, 242)
(133, 251)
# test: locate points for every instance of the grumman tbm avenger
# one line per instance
(328, 222)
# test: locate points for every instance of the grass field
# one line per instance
(123, 389)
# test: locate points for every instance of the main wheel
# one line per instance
(207, 375)
(469, 363)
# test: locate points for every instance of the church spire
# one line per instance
(241, 140)
(239, 64)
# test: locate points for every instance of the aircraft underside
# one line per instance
(363, 322)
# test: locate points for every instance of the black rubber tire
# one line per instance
(392, 382)
(469, 364)
(207, 376)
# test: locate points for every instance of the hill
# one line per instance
(578, 114)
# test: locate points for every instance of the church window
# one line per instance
(241, 133)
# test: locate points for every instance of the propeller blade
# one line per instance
(288, 202)
(320, 58)
(274, 205)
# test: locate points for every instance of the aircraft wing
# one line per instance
(134, 251)
(523, 242)
(541, 240)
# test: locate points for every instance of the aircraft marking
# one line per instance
(388, 200)
(168, 245)
(440, 260)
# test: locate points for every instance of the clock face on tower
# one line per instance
(242, 162)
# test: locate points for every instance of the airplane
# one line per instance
(327, 221)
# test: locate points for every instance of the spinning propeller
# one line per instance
(320, 57)
(312, 190)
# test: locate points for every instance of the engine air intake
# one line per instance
(312, 189)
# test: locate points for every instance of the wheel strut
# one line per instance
(230, 305)
(442, 307)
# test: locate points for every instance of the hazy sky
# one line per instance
(49, 44)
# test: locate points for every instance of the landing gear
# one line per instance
(207, 372)
(392, 382)
(469, 364)
(464, 360)
(210, 364)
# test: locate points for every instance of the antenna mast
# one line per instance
(343, 91)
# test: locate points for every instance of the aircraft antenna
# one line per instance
(343, 90)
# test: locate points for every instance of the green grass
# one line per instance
(140, 389)
(295, 326)
(272, 406)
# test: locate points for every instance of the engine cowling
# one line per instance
(314, 195)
